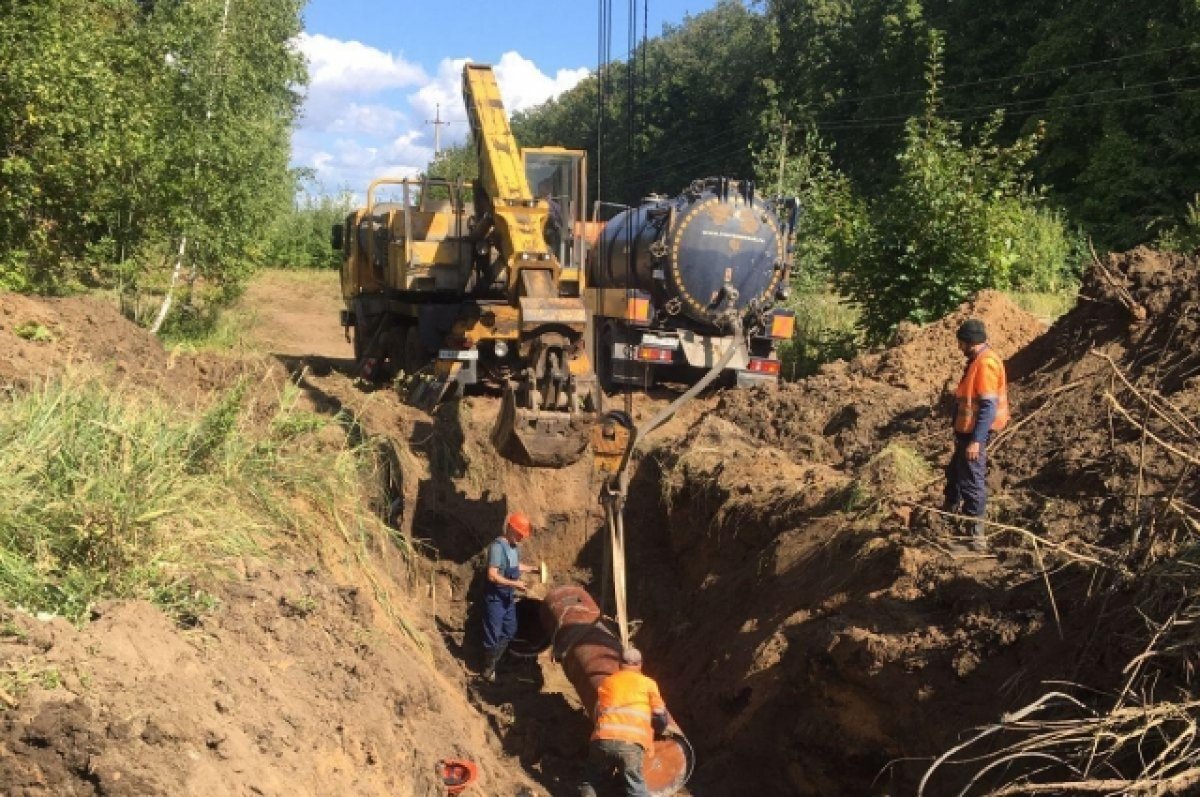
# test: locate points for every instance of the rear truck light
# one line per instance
(653, 354)
(761, 366)
(783, 323)
(637, 308)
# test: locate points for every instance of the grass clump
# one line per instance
(33, 331)
(109, 494)
(896, 470)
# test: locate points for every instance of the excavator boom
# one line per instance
(549, 407)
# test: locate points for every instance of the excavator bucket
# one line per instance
(426, 391)
(540, 438)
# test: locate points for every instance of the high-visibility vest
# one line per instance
(625, 702)
(984, 379)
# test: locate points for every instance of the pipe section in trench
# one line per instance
(569, 621)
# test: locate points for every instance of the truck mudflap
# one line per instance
(701, 351)
(540, 438)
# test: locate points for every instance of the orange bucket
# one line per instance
(457, 774)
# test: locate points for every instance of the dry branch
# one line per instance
(1116, 405)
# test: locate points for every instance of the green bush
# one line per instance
(1184, 237)
(826, 330)
(961, 218)
(299, 238)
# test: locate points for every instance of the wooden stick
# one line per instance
(1005, 527)
(1195, 431)
(1158, 787)
(1186, 457)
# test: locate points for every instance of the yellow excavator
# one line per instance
(449, 284)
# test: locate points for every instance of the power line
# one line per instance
(1015, 75)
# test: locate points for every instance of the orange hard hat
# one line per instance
(519, 523)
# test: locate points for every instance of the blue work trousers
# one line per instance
(607, 755)
(499, 618)
(966, 481)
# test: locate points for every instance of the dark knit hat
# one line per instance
(972, 331)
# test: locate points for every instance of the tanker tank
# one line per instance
(714, 248)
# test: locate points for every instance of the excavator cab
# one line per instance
(559, 177)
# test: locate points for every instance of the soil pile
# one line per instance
(40, 338)
(817, 637)
(300, 681)
(837, 415)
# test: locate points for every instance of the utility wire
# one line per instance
(1015, 75)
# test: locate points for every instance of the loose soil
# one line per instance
(811, 627)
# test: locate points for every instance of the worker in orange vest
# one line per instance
(629, 712)
(504, 571)
(980, 408)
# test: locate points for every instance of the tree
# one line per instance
(960, 218)
(133, 127)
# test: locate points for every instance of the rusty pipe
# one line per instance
(589, 653)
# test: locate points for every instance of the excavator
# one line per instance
(449, 283)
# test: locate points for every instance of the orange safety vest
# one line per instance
(984, 379)
(625, 702)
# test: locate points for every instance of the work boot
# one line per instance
(978, 541)
(492, 661)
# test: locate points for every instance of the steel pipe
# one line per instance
(590, 652)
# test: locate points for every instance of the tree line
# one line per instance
(938, 147)
(144, 141)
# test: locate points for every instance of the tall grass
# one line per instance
(107, 493)
(826, 330)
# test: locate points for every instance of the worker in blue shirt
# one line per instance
(504, 571)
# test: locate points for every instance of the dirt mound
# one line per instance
(807, 621)
(43, 337)
(1116, 374)
(841, 413)
(300, 680)
(294, 688)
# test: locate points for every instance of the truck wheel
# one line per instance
(604, 359)
(359, 344)
(414, 358)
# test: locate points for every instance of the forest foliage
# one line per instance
(938, 147)
(137, 130)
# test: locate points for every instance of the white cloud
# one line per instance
(524, 86)
(351, 66)
(372, 120)
(348, 140)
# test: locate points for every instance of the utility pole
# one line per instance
(437, 123)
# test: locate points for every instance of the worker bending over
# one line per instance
(980, 408)
(629, 712)
(504, 570)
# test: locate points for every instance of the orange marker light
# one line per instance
(637, 309)
(782, 326)
(651, 354)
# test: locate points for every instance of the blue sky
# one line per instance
(378, 71)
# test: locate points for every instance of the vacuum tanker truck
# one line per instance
(674, 282)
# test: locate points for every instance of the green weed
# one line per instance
(1046, 307)
(104, 493)
(32, 330)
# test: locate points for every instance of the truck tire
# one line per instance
(604, 355)
(414, 357)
